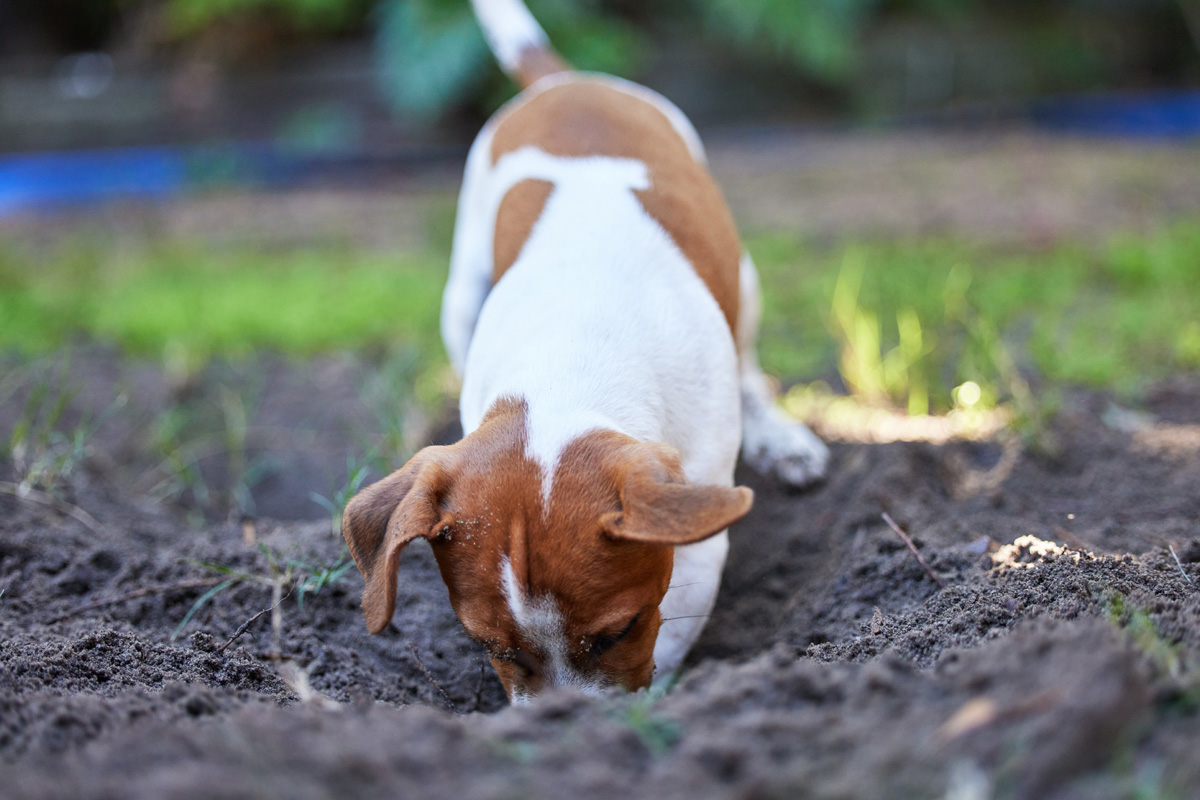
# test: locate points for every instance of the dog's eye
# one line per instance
(525, 662)
(522, 659)
(604, 642)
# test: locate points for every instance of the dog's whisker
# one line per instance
(688, 616)
(693, 583)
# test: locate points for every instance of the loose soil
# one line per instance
(1063, 665)
(1054, 655)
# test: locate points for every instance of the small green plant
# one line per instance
(336, 505)
(44, 455)
(1034, 411)
(316, 578)
(1139, 626)
(210, 594)
(237, 409)
(283, 576)
(180, 473)
(201, 427)
(36, 446)
(657, 733)
(390, 391)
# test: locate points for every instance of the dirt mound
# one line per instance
(1050, 650)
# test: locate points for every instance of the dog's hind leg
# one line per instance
(772, 442)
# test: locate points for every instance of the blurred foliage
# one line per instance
(432, 57)
(818, 35)
(191, 16)
(432, 54)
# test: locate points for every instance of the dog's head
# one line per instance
(560, 580)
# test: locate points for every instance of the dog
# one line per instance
(602, 316)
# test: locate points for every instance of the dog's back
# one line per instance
(581, 116)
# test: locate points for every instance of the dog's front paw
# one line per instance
(780, 447)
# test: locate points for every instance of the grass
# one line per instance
(45, 449)
(211, 423)
(356, 474)
(908, 321)
(657, 733)
(291, 574)
(186, 301)
(902, 322)
(1139, 626)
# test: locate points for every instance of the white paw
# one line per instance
(773, 444)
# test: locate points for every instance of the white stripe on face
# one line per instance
(541, 624)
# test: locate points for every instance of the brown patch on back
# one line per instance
(583, 118)
(519, 210)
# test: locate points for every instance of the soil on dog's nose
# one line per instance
(1057, 657)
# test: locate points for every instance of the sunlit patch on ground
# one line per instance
(848, 419)
(1029, 551)
(1170, 441)
(1161, 439)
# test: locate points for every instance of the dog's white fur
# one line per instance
(657, 363)
(510, 30)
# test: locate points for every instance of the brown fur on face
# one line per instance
(600, 551)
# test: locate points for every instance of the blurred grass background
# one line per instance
(899, 322)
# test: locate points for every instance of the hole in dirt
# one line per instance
(105, 561)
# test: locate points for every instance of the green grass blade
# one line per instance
(204, 598)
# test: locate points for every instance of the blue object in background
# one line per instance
(50, 179)
(1156, 115)
(40, 181)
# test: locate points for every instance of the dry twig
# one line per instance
(297, 680)
(908, 541)
(981, 712)
(50, 501)
(1179, 564)
(134, 595)
(278, 600)
(429, 675)
(479, 686)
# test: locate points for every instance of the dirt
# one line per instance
(1052, 653)
(1063, 665)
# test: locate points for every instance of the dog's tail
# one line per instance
(518, 42)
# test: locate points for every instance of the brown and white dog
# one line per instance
(603, 318)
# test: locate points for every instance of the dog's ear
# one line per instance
(659, 506)
(384, 517)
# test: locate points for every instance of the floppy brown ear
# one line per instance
(659, 506)
(384, 517)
